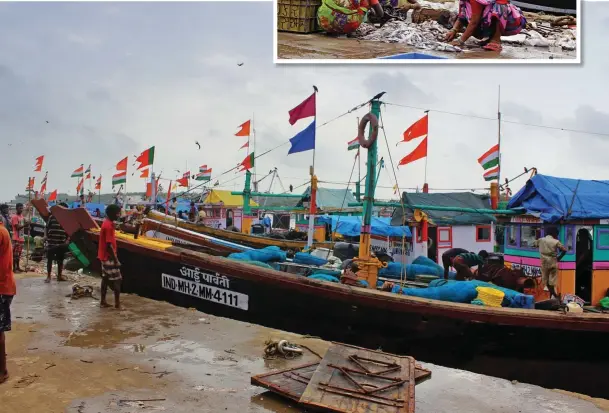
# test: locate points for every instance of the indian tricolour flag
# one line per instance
(354, 144)
(119, 178)
(204, 174)
(490, 158)
(491, 174)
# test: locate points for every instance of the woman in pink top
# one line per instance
(486, 20)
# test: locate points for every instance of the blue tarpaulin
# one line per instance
(554, 199)
(351, 226)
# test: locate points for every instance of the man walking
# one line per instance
(19, 225)
(448, 257)
(7, 292)
(548, 246)
(57, 242)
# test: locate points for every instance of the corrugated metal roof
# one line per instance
(449, 199)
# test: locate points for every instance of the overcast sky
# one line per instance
(115, 78)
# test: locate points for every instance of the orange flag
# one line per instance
(38, 165)
(145, 173)
(245, 129)
(53, 196)
(122, 165)
(419, 153)
(417, 130)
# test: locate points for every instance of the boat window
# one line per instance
(569, 238)
(528, 235)
(444, 235)
(510, 235)
(602, 239)
(483, 233)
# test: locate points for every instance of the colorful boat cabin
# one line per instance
(579, 209)
(223, 209)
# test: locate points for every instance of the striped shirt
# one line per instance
(55, 233)
(471, 259)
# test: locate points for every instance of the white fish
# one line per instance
(428, 35)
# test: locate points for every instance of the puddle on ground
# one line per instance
(98, 335)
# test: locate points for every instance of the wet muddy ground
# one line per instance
(71, 356)
(320, 46)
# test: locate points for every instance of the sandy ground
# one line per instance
(320, 46)
(70, 356)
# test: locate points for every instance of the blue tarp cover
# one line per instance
(351, 226)
(554, 199)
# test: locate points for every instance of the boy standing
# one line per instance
(7, 292)
(106, 253)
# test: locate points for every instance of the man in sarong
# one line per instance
(107, 254)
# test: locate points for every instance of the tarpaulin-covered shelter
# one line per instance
(578, 210)
(351, 226)
(553, 199)
(472, 231)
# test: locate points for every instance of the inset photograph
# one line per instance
(431, 31)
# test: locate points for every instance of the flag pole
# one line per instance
(425, 176)
(254, 149)
(313, 186)
(499, 138)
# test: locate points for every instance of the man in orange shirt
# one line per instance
(7, 292)
(106, 253)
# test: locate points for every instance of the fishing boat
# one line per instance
(568, 7)
(534, 346)
(250, 240)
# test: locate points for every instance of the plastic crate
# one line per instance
(297, 16)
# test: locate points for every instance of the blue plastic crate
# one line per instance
(412, 55)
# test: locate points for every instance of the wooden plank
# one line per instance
(291, 383)
(336, 387)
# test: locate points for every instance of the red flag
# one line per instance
(417, 130)
(30, 184)
(245, 129)
(53, 196)
(419, 152)
(43, 185)
(248, 162)
(145, 173)
(98, 183)
(122, 165)
(38, 165)
(304, 110)
(146, 158)
(245, 145)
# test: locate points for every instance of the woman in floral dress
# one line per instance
(486, 20)
(345, 16)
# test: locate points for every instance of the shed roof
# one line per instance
(448, 199)
(215, 196)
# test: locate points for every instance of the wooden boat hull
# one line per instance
(551, 349)
(568, 7)
(238, 237)
(190, 239)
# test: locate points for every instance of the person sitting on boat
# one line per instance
(345, 16)
(448, 257)
(464, 262)
(192, 212)
(486, 20)
(173, 207)
(548, 246)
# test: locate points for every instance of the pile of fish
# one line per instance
(564, 39)
(428, 35)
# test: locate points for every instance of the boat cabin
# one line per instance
(447, 229)
(580, 211)
(223, 209)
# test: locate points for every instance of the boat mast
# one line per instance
(368, 265)
(499, 139)
(313, 206)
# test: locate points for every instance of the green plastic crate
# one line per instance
(297, 16)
